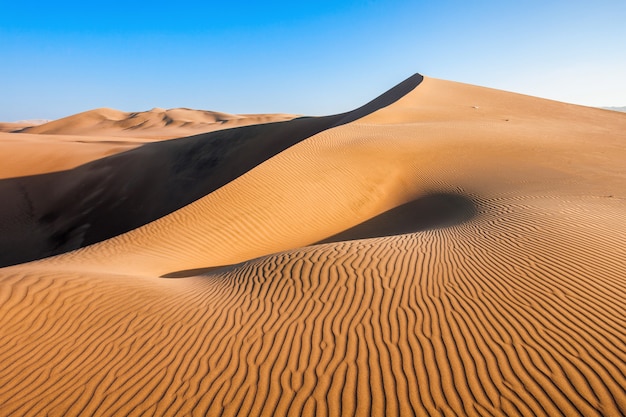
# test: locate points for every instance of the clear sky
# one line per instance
(61, 57)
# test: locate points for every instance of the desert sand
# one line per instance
(58, 145)
(156, 123)
(444, 250)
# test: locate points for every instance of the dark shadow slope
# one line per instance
(431, 211)
(48, 214)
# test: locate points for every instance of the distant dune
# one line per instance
(13, 126)
(20, 125)
(445, 249)
(156, 123)
(133, 188)
(33, 122)
(45, 146)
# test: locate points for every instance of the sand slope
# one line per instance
(28, 154)
(41, 146)
(7, 127)
(53, 213)
(495, 285)
(154, 124)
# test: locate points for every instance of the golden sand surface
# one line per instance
(156, 123)
(75, 140)
(456, 251)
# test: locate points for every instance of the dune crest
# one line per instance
(156, 123)
(445, 250)
(136, 187)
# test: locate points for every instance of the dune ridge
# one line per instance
(294, 199)
(473, 265)
(156, 123)
(7, 127)
(62, 211)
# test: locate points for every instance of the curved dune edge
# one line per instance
(37, 154)
(153, 124)
(58, 212)
(517, 310)
(344, 176)
(67, 143)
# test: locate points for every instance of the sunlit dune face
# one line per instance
(444, 250)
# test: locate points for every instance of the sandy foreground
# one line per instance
(445, 250)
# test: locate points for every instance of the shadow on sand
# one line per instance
(48, 214)
(432, 211)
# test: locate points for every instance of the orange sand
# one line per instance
(153, 124)
(474, 265)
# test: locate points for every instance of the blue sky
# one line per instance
(63, 57)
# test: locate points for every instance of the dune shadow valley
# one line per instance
(443, 250)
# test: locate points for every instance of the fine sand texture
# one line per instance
(56, 212)
(445, 250)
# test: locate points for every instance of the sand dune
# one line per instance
(154, 124)
(13, 126)
(63, 210)
(472, 264)
(40, 154)
(44, 146)
(20, 125)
